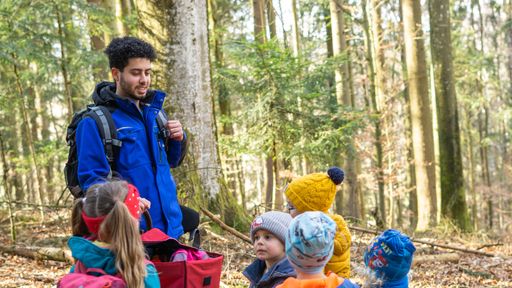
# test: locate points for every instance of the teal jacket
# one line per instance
(93, 256)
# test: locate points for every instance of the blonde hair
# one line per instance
(119, 229)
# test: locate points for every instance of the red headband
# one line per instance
(132, 203)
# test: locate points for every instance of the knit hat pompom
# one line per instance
(336, 174)
(316, 191)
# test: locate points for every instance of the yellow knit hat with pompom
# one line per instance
(314, 192)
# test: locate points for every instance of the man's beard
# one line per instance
(126, 89)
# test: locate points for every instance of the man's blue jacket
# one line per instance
(144, 159)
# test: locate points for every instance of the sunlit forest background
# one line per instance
(411, 98)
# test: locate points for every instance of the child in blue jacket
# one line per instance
(268, 235)
(109, 216)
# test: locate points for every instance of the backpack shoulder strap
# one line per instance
(108, 132)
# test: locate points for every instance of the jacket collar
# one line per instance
(254, 272)
(105, 94)
(91, 255)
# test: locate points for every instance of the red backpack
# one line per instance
(200, 270)
(82, 277)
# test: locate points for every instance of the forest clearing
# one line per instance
(463, 270)
(245, 107)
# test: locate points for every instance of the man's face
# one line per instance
(133, 82)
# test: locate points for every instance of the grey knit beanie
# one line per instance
(275, 222)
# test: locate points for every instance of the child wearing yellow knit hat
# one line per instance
(316, 192)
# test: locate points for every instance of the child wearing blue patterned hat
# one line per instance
(389, 257)
(309, 247)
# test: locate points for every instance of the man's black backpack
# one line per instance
(102, 115)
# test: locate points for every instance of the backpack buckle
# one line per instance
(164, 133)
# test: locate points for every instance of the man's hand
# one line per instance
(175, 130)
(144, 204)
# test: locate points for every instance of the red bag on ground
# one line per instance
(182, 274)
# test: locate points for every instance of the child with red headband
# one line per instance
(109, 216)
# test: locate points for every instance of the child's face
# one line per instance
(292, 210)
(267, 246)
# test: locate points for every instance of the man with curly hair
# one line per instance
(147, 152)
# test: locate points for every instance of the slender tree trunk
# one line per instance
(411, 171)
(259, 20)
(508, 39)
(260, 37)
(151, 27)
(99, 69)
(483, 117)
(453, 198)
(421, 115)
(189, 78)
(271, 17)
(64, 63)
(296, 31)
(229, 159)
(344, 98)
(304, 163)
(33, 162)
(20, 178)
(126, 13)
(37, 135)
(7, 189)
(377, 88)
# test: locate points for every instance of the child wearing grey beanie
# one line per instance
(268, 235)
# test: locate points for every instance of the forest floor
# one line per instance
(469, 271)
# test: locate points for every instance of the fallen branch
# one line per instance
(450, 247)
(40, 253)
(445, 246)
(51, 206)
(489, 245)
(226, 227)
(447, 257)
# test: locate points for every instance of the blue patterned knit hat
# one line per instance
(310, 241)
(390, 257)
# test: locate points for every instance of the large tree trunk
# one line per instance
(453, 198)
(344, 98)
(421, 115)
(189, 78)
